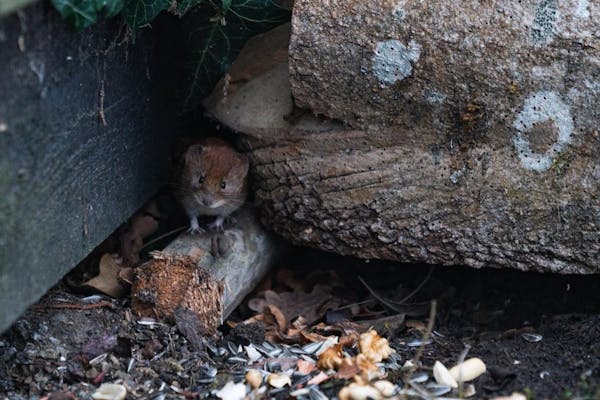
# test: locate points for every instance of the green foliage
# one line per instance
(138, 13)
(216, 36)
(83, 13)
(216, 30)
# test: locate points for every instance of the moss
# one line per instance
(560, 164)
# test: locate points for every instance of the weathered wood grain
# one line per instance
(68, 178)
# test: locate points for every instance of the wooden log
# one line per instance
(204, 277)
(468, 192)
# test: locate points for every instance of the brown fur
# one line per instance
(219, 164)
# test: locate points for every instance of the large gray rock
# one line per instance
(68, 178)
(468, 132)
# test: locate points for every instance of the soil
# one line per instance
(537, 334)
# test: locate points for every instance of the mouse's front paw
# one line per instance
(194, 227)
(218, 224)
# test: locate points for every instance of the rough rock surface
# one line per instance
(483, 151)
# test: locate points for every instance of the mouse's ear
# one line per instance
(244, 163)
(193, 153)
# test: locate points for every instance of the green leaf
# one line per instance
(79, 13)
(138, 13)
(183, 6)
(217, 36)
(109, 8)
(83, 13)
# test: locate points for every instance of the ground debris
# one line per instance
(57, 352)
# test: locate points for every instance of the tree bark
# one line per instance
(468, 135)
(205, 276)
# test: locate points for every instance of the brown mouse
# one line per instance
(213, 181)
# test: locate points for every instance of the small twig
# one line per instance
(427, 335)
(417, 289)
(354, 304)
(164, 235)
(98, 304)
(378, 297)
(461, 359)
(424, 339)
(101, 104)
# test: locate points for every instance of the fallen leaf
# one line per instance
(330, 358)
(304, 367)
(318, 379)
(107, 281)
(278, 316)
(141, 225)
(347, 369)
(127, 275)
(374, 346)
(312, 306)
(368, 369)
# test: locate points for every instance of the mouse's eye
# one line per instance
(201, 179)
(223, 184)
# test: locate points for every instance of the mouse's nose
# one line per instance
(207, 200)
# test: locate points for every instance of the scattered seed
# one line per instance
(316, 394)
(252, 353)
(279, 380)
(207, 375)
(145, 321)
(442, 375)
(418, 342)
(532, 337)
(436, 390)
(130, 364)
(468, 370)
(386, 388)
(469, 390)
(236, 360)
(312, 348)
(420, 377)
(234, 351)
(300, 392)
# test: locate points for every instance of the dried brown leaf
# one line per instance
(304, 367)
(330, 358)
(347, 369)
(107, 280)
(318, 379)
(368, 369)
(374, 347)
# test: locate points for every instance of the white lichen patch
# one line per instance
(434, 97)
(398, 10)
(540, 107)
(582, 10)
(543, 27)
(393, 61)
